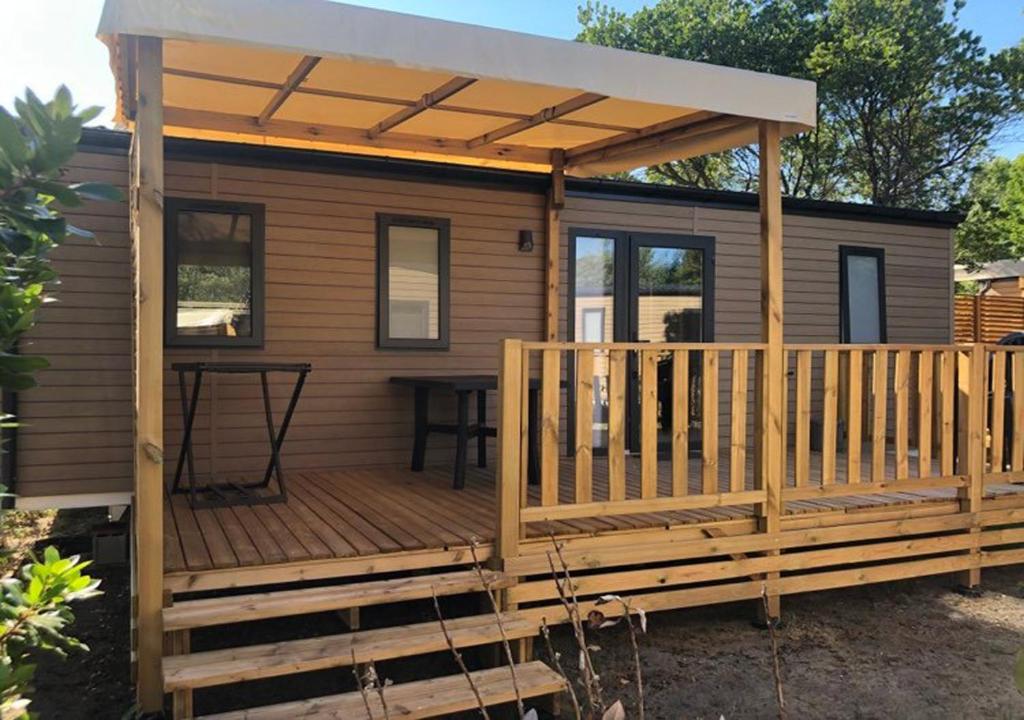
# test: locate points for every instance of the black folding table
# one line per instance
(462, 386)
(222, 494)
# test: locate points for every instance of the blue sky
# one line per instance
(54, 42)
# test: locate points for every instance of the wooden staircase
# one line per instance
(186, 671)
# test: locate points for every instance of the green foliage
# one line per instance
(34, 615)
(35, 144)
(907, 100)
(994, 204)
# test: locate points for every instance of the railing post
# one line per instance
(971, 496)
(510, 409)
(773, 379)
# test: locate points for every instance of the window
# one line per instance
(593, 325)
(412, 282)
(214, 273)
(861, 295)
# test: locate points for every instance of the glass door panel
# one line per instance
(595, 303)
(670, 279)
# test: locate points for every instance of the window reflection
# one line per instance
(214, 274)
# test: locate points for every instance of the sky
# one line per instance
(55, 40)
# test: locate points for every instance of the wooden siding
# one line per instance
(918, 267)
(321, 306)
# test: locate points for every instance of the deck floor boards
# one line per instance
(367, 511)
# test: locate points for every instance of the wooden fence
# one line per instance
(986, 318)
(857, 420)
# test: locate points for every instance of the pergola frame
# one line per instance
(141, 71)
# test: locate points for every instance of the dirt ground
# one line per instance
(907, 650)
(913, 649)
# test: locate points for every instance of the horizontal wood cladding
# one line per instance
(918, 267)
(320, 308)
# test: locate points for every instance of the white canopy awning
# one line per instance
(320, 74)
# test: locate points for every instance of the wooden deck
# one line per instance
(383, 511)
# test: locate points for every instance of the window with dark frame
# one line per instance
(862, 317)
(413, 278)
(214, 273)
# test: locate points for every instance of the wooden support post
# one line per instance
(770, 198)
(553, 211)
(971, 496)
(510, 397)
(147, 193)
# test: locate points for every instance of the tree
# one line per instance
(907, 100)
(994, 206)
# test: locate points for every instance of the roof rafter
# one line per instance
(296, 76)
(385, 100)
(546, 115)
(427, 101)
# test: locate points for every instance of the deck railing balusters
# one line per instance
(680, 422)
(584, 426)
(738, 432)
(879, 412)
(709, 422)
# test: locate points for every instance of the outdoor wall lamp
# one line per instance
(525, 241)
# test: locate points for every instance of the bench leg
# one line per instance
(462, 437)
(481, 423)
(421, 415)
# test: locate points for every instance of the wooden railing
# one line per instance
(858, 420)
(680, 394)
(891, 409)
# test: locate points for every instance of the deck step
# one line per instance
(191, 614)
(220, 667)
(419, 699)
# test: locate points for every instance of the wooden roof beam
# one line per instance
(546, 115)
(295, 78)
(427, 101)
(651, 137)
